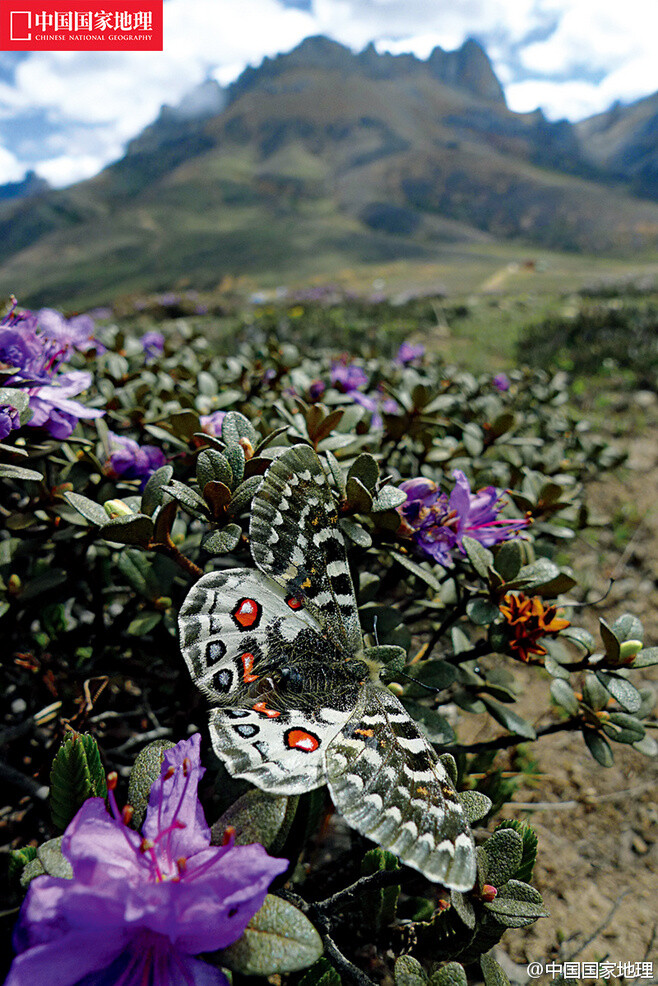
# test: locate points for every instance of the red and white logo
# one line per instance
(81, 25)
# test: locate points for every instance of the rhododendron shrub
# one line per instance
(130, 455)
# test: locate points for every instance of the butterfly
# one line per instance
(296, 701)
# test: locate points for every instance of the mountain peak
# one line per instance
(467, 68)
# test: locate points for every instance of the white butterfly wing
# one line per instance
(237, 628)
(388, 783)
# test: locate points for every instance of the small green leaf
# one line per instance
(365, 469)
(421, 571)
(610, 641)
(529, 856)
(408, 971)
(646, 658)
(435, 726)
(321, 973)
(244, 494)
(76, 775)
(480, 557)
(482, 611)
(153, 493)
(509, 560)
(475, 805)
(88, 508)
(143, 624)
(18, 472)
(188, 498)
(510, 720)
(627, 627)
(358, 497)
(564, 695)
(463, 907)
(451, 974)
(437, 673)
(212, 465)
(492, 972)
(236, 460)
(623, 728)
(581, 637)
(145, 771)
(278, 939)
(355, 532)
(598, 747)
(258, 817)
(235, 426)
(621, 690)
(222, 542)
(594, 694)
(388, 498)
(504, 852)
(137, 529)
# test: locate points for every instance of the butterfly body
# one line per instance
(296, 701)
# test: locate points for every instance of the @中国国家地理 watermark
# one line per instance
(591, 970)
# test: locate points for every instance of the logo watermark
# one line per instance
(81, 25)
(591, 970)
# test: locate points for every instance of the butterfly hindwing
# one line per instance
(388, 783)
(296, 540)
(243, 638)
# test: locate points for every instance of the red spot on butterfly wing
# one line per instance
(300, 739)
(294, 602)
(264, 711)
(247, 614)
(247, 664)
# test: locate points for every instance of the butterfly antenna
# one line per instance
(421, 684)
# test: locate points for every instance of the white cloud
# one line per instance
(10, 167)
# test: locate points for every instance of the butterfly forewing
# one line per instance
(388, 783)
(241, 636)
(295, 539)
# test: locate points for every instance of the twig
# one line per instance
(513, 740)
(597, 931)
(551, 805)
(169, 548)
(23, 783)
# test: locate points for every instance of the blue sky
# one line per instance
(67, 114)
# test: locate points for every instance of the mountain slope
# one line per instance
(320, 158)
(624, 143)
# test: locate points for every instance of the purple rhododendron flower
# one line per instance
(438, 522)
(153, 345)
(501, 381)
(23, 350)
(408, 352)
(139, 908)
(347, 377)
(129, 460)
(69, 334)
(316, 390)
(211, 424)
(52, 407)
(9, 419)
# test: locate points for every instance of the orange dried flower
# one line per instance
(529, 620)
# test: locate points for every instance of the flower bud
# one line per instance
(117, 508)
(628, 651)
(14, 585)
